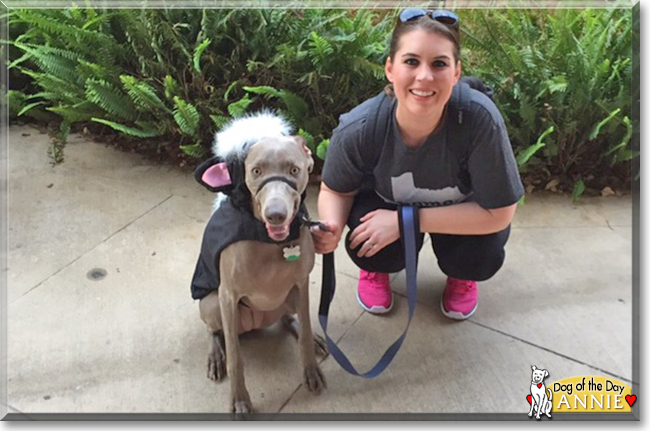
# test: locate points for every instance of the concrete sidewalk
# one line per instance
(100, 320)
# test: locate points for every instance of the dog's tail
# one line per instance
(235, 138)
(550, 394)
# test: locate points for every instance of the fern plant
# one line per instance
(567, 69)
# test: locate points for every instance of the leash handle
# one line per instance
(408, 222)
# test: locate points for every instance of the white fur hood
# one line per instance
(234, 140)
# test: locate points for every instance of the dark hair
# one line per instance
(428, 25)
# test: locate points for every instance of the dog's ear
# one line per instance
(545, 373)
(213, 174)
(534, 368)
(310, 160)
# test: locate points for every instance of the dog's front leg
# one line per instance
(313, 376)
(539, 400)
(532, 405)
(240, 400)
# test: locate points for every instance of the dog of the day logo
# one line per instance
(579, 394)
(540, 397)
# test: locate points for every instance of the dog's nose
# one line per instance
(275, 215)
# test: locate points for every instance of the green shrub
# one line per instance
(566, 69)
(177, 75)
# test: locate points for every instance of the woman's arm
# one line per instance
(467, 218)
(333, 211)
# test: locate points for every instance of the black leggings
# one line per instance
(467, 257)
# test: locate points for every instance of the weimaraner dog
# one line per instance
(258, 275)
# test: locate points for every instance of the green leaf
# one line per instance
(196, 59)
(238, 108)
(147, 130)
(578, 190)
(525, 155)
(29, 107)
(186, 116)
(264, 90)
(143, 95)
(194, 150)
(229, 89)
(320, 49)
(626, 139)
(321, 150)
(296, 106)
(82, 111)
(111, 99)
(596, 129)
(557, 83)
(219, 120)
(171, 87)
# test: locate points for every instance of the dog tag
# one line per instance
(291, 253)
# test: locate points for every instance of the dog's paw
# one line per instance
(314, 379)
(242, 407)
(320, 346)
(217, 366)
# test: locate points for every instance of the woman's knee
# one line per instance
(475, 257)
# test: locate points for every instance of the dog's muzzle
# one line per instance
(277, 215)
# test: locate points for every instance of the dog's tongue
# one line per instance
(277, 233)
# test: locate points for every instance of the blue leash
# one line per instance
(408, 222)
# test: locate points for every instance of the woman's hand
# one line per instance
(378, 229)
(326, 241)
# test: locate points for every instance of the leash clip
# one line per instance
(310, 223)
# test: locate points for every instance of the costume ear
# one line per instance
(301, 141)
(213, 174)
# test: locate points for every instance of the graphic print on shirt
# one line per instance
(404, 191)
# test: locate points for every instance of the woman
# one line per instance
(466, 208)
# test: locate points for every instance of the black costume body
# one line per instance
(231, 223)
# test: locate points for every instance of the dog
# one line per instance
(264, 172)
(539, 395)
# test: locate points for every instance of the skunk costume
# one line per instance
(233, 219)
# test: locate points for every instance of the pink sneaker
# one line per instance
(460, 298)
(374, 292)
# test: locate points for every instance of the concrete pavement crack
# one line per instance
(95, 247)
(562, 355)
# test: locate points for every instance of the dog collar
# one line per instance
(291, 184)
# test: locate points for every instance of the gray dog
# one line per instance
(266, 271)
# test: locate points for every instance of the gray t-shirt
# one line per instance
(430, 175)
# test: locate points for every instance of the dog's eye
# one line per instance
(256, 171)
(295, 170)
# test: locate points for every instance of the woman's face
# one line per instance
(423, 73)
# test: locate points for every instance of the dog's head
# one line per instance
(539, 375)
(276, 172)
(261, 168)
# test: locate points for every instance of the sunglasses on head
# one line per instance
(442, 16)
